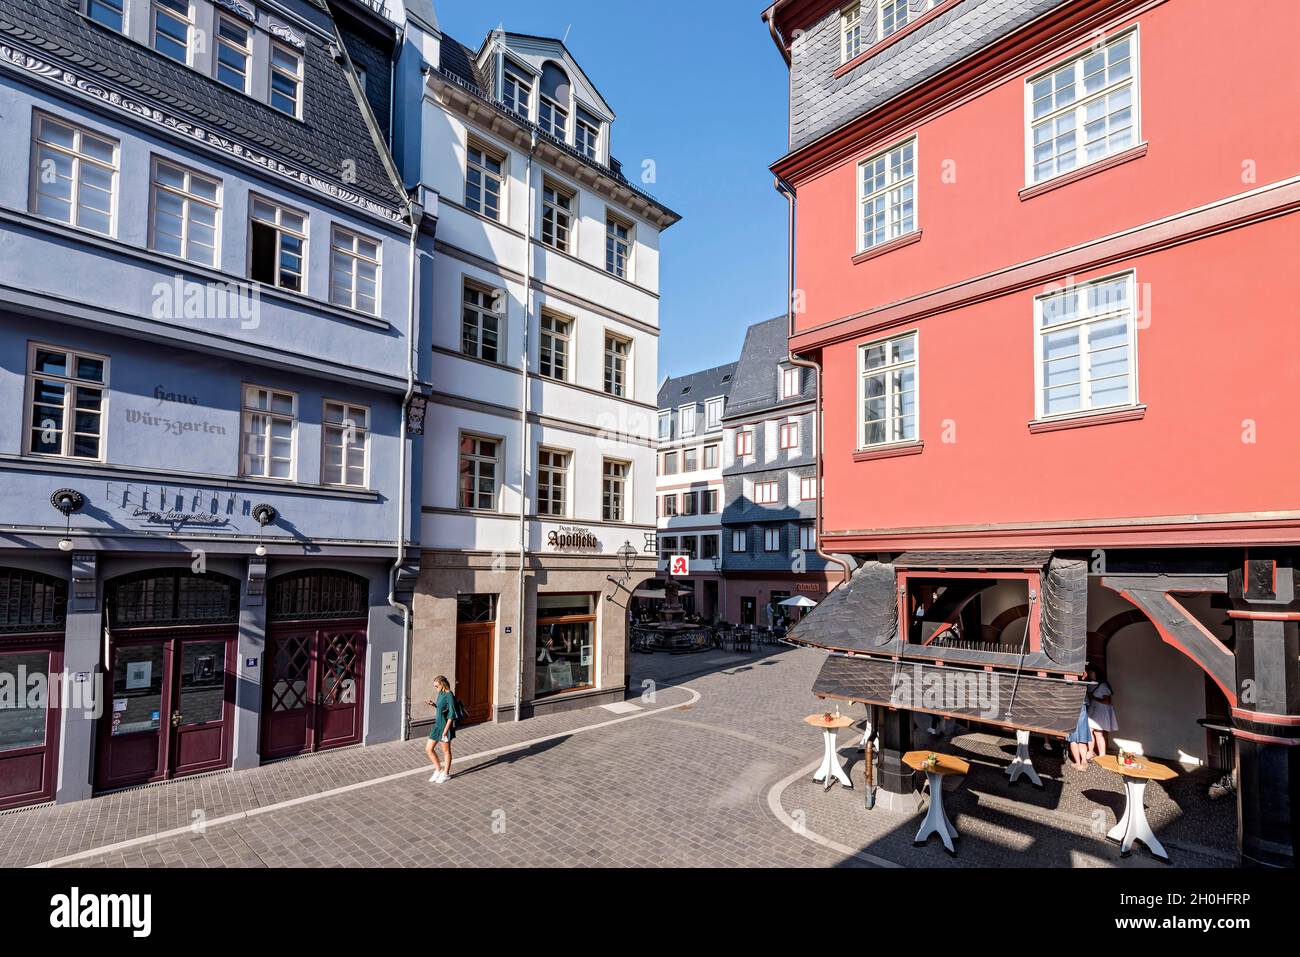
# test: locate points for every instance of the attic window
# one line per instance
(685, 389)
(727, 377)
(553, 112)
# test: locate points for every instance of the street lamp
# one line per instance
(627, 558)
(66, 501)
(722, 585)
(264, 515)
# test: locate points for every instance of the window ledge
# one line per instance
(893, 38)
(1137, 152)
(896, 243)
(1104, 417)
(888, 451)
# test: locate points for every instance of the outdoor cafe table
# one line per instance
(936, 820)
(1133, 826)
(832, 769)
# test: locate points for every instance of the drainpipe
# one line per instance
(524, 451)
(787, 191)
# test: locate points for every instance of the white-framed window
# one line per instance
(618, 247)
(480, 467)
(66, 391)
(278, 247)
(713, 414)
(709, 504)
(850, 32)
(586, 135)
(686, 421)
(553, 347)
(808, 537)
(893, 16)
(553, 118)
(617, 352)
(670, 506)
(270, 432)
(184, 208)
(480, 327)
(286, 79)
(665, 426)
(171, 22)
(690, 459)
(690, 503)
(1083, 110)
(765, 493)
(354, 271)
(790, 382)
(109, 13)
(1086, 347)
(887, 396)
(557, 216)
(807, 488)
(345, 444)
(484, 180)
(887, 195)
(667, 545)
(709, 546)
(670, 463)
(613, 490)
(552, 482)
(710, 456)
(744, 442)
(788, 435)
(739, 540)
(234, 52)
(74, 175)
(771, 539)
(517, 90)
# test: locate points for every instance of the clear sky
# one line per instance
(700, 89)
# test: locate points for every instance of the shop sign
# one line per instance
(679, 566)
(572, 537)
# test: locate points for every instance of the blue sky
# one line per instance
(699, 88)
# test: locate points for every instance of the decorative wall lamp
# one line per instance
(67, 501)
(264, 515)
(626, 561)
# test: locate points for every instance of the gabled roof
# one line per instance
(561, 49)
(755, 386)
(332, 134)
(696, 387)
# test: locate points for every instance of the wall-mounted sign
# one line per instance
(572, 537)
(679, 565)
(175, 507)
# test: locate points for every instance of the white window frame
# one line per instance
(614, 243)
(246, 412)
(772, 539)
(565, 471)
(790, 382)
(356, 258)
(117, 6)
(1080, 103)
(713, 422)
(770, 494)
(863, 372)
(187, 19)
(625, 357)
(489, 297)
(486, 175)
(477, 459)
(895, 228)
(581, 124)
(851, 32)
(624, 482)
(356, 421)
(686, 420)
(561, 332)
(70, 382)
(557, 110)
(512, 72)
(552, 211)
(739, 541)
(665, 418)
(667, 512)
(298, 78)
(1082, 321)
(245, 51)
(704, 456)
(746, 447)
(807, 484)
(784, 431)
(188, 199)
(78, 157)
(280, 229)
(881, 7)
(808, 537)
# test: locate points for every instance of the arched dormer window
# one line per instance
(553, 109)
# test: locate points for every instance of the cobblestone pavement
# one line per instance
(692, 777)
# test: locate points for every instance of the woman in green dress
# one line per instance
(444, 729)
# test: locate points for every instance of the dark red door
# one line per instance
(474, 669)
(29, 724)
(200, 738)
(313, 697)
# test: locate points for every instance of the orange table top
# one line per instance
(947, 763)
(1141, 768)
(819, 721)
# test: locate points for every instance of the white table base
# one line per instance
(832, 769)
(936, 820)
(1022, 763)
(1133, 826)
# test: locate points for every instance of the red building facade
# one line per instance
(1042, 259)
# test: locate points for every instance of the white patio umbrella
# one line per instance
(799, 601)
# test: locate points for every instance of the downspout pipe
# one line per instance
(524, 449)
(788, 192)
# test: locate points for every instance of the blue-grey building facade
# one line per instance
(770, 483)
(212, 386)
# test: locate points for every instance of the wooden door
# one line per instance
(201, 702)
(288, 693)
(474, 659)
(748, 608)
(315, 692)
(29, 727)
(340, 687)
(133, 731)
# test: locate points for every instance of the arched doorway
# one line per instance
(169, 676)
(313, 691)
(33, 612)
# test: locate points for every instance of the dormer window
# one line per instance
(234, 50)
(516, 90)
(790, 383)
(893, 16)
(107, 12)
(552, 110)
(171, 29)
(586, 135)
(286, 80)
(850, 32)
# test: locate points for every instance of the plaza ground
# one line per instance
(707, 764)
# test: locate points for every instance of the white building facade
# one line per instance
(540, 438)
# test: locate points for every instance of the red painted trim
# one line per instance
(1266, 739)
(893, 451)
(1264, 717)
(893, 38)
(1065, 179)
(1266, 615)
(1132, 414)
(889, 247)
(1144, 240)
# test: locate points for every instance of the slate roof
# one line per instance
(755, 384)
(706, 384)
(333, 129)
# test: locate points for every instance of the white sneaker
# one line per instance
(433, 778)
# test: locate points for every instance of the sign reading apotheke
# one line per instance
(572, 537)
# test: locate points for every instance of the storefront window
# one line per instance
(566, 643)
(137, 689)
(22, 723)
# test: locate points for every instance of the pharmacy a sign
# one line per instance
(679, 566)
